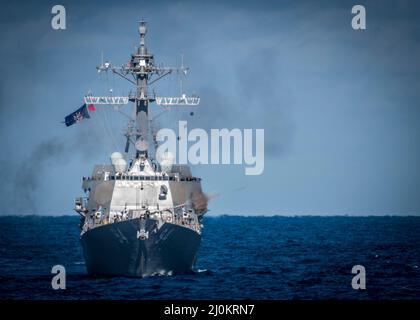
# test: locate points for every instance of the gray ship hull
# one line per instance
(115, 249)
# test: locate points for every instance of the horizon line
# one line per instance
(217, 215)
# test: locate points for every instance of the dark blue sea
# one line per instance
(240, 258)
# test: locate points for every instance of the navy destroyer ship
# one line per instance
(139, 217)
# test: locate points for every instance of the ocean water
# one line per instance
(240, 258)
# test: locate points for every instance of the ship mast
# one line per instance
(142, 60)
(142, 69)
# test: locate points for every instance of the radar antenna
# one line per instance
(142, 72)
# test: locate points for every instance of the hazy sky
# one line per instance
(340, 108)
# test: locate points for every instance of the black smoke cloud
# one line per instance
(22, 179)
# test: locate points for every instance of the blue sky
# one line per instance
(340, 107)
